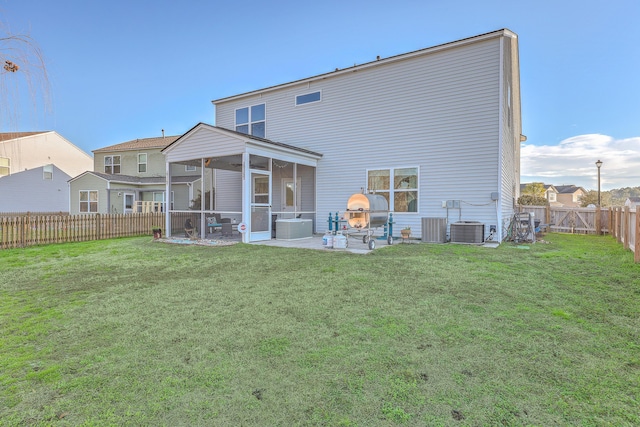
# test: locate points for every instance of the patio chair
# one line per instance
(189, 229)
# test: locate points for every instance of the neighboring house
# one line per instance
(420, 129)
(33, 166)
(130, 177)
(632, 202)
(20, 151)
(570, 195)
(550, 193)
(42, 189)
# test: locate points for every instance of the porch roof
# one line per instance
(129, 179)
(238, 135)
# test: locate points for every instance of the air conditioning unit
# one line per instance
(467, 232)
(434, 230)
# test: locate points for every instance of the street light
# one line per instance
(599, 165)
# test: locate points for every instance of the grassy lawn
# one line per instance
(135, 332)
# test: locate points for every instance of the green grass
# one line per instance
(135, 332)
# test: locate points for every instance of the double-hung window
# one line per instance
(142, 162)
(252, 120)
(112, 164)
(88, 201)
(398, 185)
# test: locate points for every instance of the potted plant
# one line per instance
(405, 232)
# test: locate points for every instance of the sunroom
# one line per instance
(248, 185)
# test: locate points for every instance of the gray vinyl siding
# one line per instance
(28, 191)
(87, 182)
(203, 143)
(439, 112)
(229, 199)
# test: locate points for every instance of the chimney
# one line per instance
(162, 133)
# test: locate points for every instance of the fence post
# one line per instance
(636, 252)
(627, 232)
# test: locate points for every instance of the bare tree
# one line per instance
(22, 70)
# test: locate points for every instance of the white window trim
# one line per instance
(88, 202)
(47, 169)
(310, 102)
(112, 164)
(392, 190)
(145, 163)
(250, 122)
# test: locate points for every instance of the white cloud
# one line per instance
(573, 161)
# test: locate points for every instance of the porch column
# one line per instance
(246, 196)
(167, 201)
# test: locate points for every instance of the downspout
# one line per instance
(108, 197)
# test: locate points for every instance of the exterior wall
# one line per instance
(28, 191)
(203, 143)
(42, 149)
(439, 112)
(511, 131)
(87, 182)
(129, 164)
(571, 199)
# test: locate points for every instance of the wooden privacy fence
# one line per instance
(623, 223)
(29, 230)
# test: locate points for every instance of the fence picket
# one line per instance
(30, 229)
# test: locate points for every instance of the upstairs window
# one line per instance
(112, 164)
(398, 185)
(47, 172)
(308, 98)
(251, 120)
(142, 162)
(5, 166)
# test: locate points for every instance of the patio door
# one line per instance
(260, 205)
(129, 201)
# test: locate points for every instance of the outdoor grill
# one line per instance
(366, 212)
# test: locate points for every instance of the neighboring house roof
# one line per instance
(244, 135)
(128, 179)
(378, 61)
(568, 189)
(6, 136)
(633, 199)
(140, 144)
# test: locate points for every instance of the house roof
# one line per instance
(378, 61)
(568, 189)
(6, 136)
(140, 144)
(129, 179)
(245, 136)
(634, 199)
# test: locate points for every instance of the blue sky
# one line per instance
(121, 70)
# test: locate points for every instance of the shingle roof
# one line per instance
(255, 138)
(140, 144)
(6, 136)
(144, 180)
(568, 189)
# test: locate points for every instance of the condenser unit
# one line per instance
(434, 230)
(467, 232)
